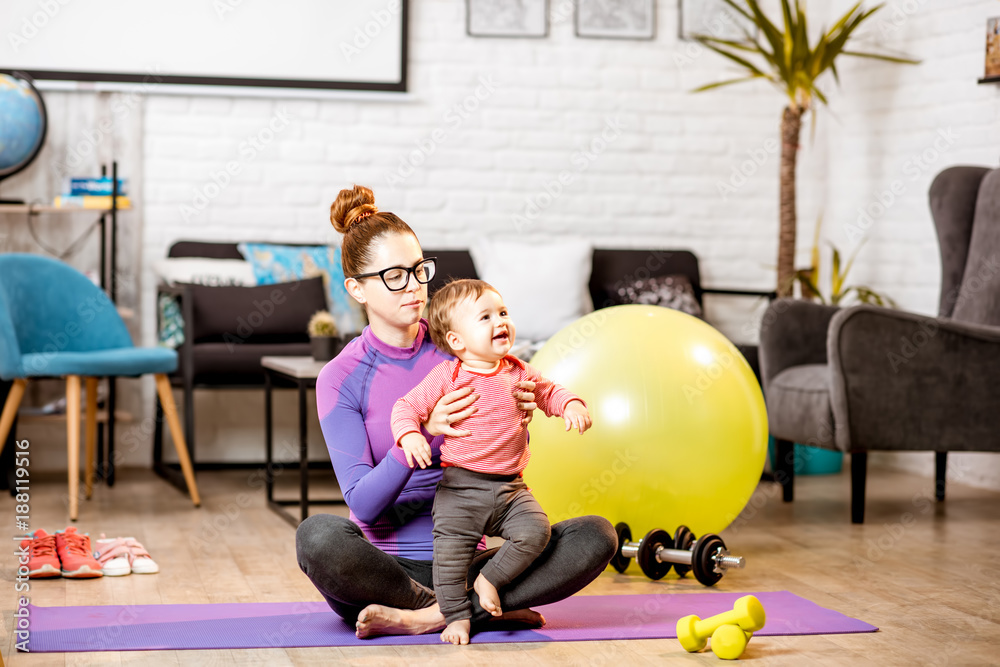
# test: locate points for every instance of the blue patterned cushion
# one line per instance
(171, 322)
(283, 263)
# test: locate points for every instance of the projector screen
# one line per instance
(310, 44)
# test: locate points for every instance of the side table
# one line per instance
(302, 372)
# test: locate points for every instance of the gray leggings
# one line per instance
(352, 573)
(468, 505)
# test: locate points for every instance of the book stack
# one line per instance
(92, 193)
(90, 201)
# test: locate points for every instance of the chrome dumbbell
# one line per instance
(657, 552)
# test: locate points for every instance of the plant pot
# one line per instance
(812, 460)
(325, 348)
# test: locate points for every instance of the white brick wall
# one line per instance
(655, 185)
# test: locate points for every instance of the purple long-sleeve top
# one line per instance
(355, 393)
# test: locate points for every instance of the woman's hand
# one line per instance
(452, 407)
(526, 400)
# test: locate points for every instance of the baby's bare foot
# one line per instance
(457, 632)
(376, 620)
(527, 616)
(488, 596)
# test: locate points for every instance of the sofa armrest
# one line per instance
(793, 333)
(905, 381)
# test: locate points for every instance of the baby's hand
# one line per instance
(576, 416)
(417, 449)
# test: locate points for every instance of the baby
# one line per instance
(481, 491)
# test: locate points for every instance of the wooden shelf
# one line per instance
(28, 208)
(990, 79)
(121, 417)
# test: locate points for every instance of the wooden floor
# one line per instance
(927, 574)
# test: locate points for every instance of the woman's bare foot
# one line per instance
(377, 620)
(457, 632)
(527, 616)
(488, 596)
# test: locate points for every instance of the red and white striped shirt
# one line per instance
(498, 444)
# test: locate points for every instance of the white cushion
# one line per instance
(205, 271)
(543, 281)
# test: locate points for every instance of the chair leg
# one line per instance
(90, 437)
(170, 410)
(784, 468)
(189, 419)
(859, 470)
(10, 407)
(73, 441)
(157, 433)
(940, 473)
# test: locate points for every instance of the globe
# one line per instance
(23, 122)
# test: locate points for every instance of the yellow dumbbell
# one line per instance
(729, 641)
(747, 613)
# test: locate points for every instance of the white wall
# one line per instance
(906, 124)
(657, 184)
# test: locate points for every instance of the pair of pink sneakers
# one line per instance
(119, 556)
(67, 553)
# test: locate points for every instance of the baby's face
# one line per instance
(482, 328)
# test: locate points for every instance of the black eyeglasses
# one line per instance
(396, 278)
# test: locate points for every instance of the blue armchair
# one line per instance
(54, 322)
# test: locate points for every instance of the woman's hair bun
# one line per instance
(351, 206)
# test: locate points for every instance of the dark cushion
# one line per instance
(238, 363)
(451, 264)
(262, 313)
(798, 406)
(612, 268)
(668, 291)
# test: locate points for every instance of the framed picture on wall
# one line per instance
(993, 48)
(507, 18)
(618, 19)
(712, 17)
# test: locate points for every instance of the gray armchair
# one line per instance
(866, 378)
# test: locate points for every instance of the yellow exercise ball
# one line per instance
(680, 427)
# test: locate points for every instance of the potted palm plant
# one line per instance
(323, 336)
(786, 58)
(838, 291)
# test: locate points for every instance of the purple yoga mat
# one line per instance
(296, 624)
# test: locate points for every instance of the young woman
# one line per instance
(375, 569)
